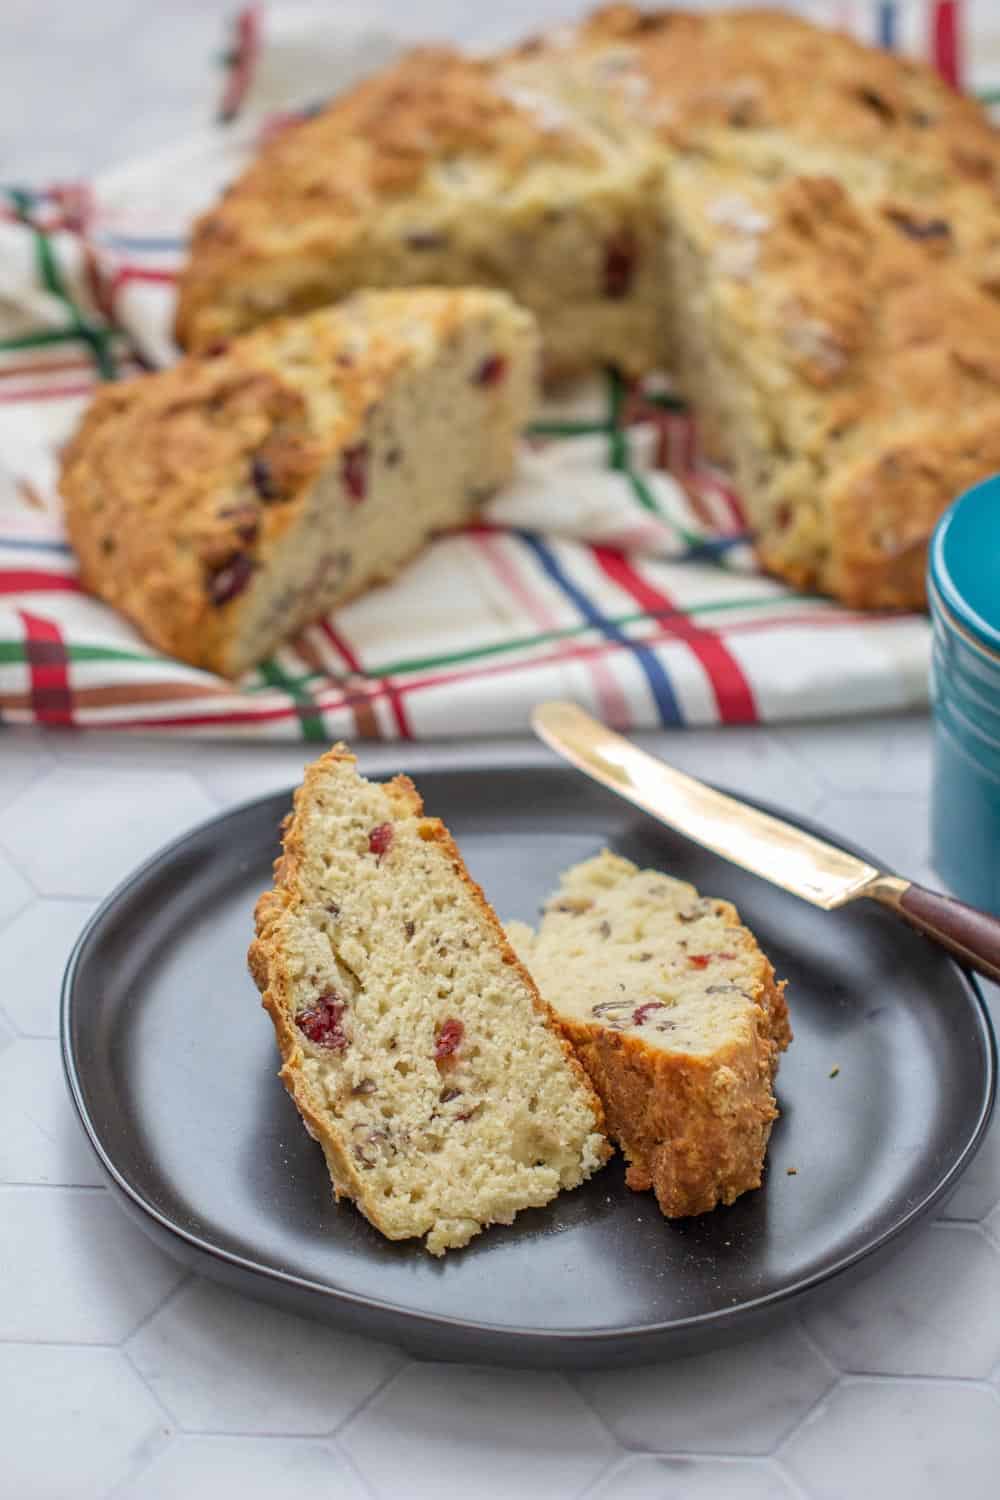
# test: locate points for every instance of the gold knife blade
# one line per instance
(779, 852)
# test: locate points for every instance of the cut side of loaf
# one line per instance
(414, 1043)
(675, 1014)
(227, 502)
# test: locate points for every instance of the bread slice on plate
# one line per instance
(227, 502)
(675, 1013)
(414, 1043)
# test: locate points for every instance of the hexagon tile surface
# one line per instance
(495, 1434)
(40, 1136)
(939, 1314)
(693, 1479)
(15, 892)
(25, 760)
(248, 1468)
(740, 1399)
(36, 944)
(922, 1439)
(978, 1190)
(200, 1393)
(76, 1422)
(117, 821)
(221, 1363)
(83, 1273)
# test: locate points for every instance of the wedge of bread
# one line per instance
(227, 502)
(414, 1043)
(675, 1013)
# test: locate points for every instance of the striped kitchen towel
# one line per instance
(614, 570)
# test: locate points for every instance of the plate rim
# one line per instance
(717, 1319)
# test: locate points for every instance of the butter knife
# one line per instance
(777, 851)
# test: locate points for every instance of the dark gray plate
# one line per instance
(172, 1066)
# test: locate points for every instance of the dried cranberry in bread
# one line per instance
(675, 1014)
(226, 502)
(414, 1043)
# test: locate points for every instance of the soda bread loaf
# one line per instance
(675, 1014)
(804, 230)
(414, 1043)
(226, 502)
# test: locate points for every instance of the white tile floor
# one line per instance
(939, 1314)
(121, 1379)
(216, 1369)
(489, 1434)
(251, 1468)
(77, 1421)
(740, 1400)
(694, 1479)
(922, 1439)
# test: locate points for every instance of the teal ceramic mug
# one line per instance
(964, 595)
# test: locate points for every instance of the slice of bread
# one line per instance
(415, 1045)
(675, 1013)
(225, 503)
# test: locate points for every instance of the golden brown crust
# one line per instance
(744, 71)
(733, 84)
(159, 497)
(762, 87)
(868, 286)
(705, 1160)
(694, 1129)
(884, 510)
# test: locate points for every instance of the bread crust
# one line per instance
(268, 964)
(694, 1129)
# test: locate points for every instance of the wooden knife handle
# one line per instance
(973, 936)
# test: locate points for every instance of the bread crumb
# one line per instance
(791, 1171)
(834, 1070)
